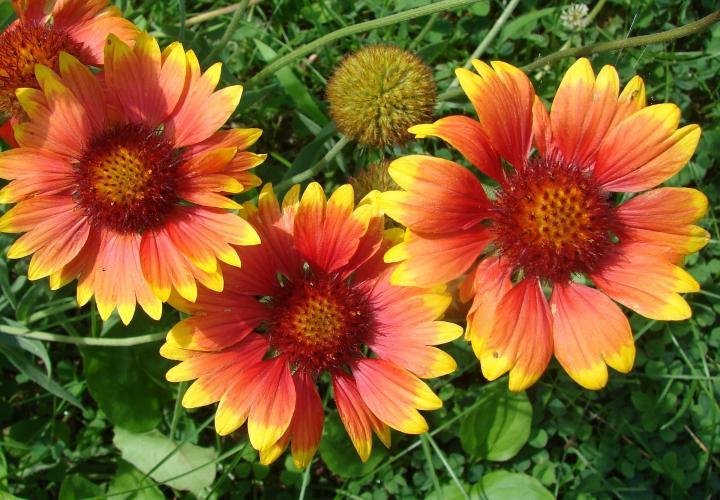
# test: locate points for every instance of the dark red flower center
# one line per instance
(320, 322)
(22, 46)
(126, 178)
(552, 220)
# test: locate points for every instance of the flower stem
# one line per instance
(315, 169)
(229, 32)
(303, 50)
(596, 48)
(485, 43)
(84, 341)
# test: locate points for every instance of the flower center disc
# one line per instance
(320, 322)
(21, 48)
(125, 179)
(552, 220)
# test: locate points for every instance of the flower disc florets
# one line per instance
(378, 92)
(552, 220)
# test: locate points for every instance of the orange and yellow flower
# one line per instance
(552, 223)
(44, 29)
(313, 298)
(121, 179)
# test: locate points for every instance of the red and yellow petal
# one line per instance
(521, 338)
(394, 395)
(327, 233)
(583, 110)
(202, 110)
(589, 332)
(307, 424)
(646, 282)
(440, 196)
(645, 149)
(491, 282)
(503, 97)
(631, 99)
(467, 136)
(133, 80)
(664, 217)
(359, 421)
(272, 411)
(428, 259)
(86, 87)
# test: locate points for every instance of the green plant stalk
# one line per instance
(303, 50)
(612, 45)
(485, 43)
(315, 169)
(229, 31)
(84, 341)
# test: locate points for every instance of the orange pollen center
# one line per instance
(556, 216)
(22, 46)
(126, 178)
(552, 220)
(320, 322)
(122, 176)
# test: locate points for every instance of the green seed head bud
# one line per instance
(374, 177)
(378, 92)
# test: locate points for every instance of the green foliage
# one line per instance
(102, 421)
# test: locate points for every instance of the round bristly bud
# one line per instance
(373, 178)
(378, 92)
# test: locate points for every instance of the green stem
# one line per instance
(446, 464)
(303, 50)
(177, 409)
(636, 41)
(315, 169)
(229, 31)
(485, 43)
(597, 48)
(423, 32)
(85, 341)
(431, 467)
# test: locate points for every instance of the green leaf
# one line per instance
(338, 452)
(503, 485)
(294, 88)
(131, 484)
(129, 383)
(181, 466)
(26, 367)
(523, 25)
(498, 427)
(75, 487)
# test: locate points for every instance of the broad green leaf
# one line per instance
(131, 484)
(503, 485)
(181, 466)
(34, 347)
(498, 427)
(338, 452)
(293, 86)
(16, 356)
(523, 25)
(76, 487)
(128, 383)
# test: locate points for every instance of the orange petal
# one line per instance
(521, 339)
(590, 331)
(490, 284)
(394, 395)
(133, 79)
(357, 418)
(272, 413)
(440, 196)
(201, 111)
(646, 282)
(86, 88)
(542, 129)
(328, 234)
(631, 99)
(664, 217)
(503, 97)
(645, 149)
(583, 110)
(307, 423)
(467, 136)
(429, 260)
